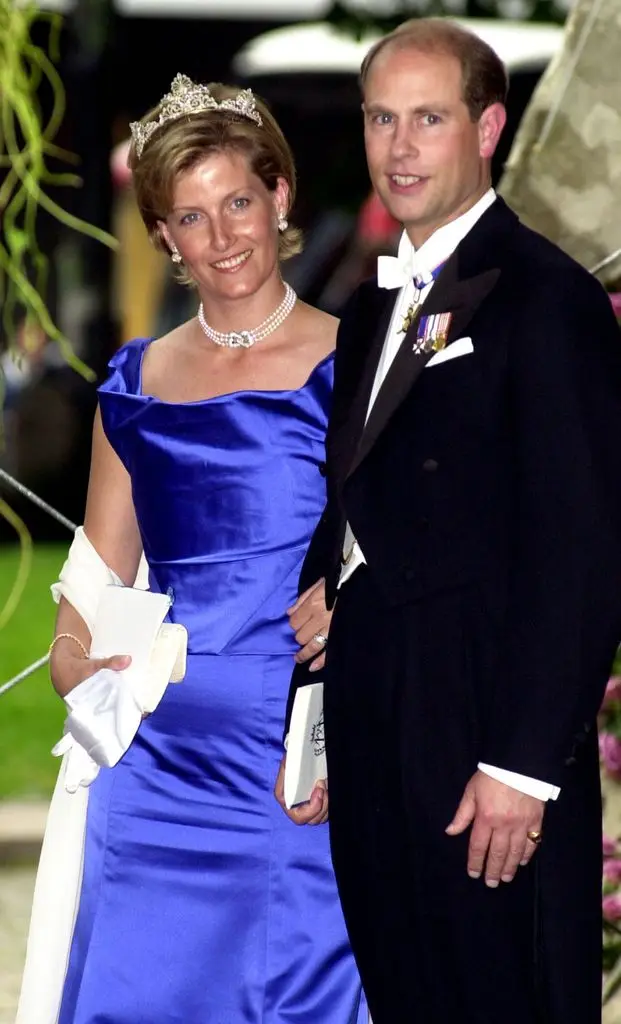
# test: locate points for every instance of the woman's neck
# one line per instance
(243, 312)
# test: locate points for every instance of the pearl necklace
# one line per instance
(245, 339)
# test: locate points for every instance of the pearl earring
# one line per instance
(175, 255)
(283, 223)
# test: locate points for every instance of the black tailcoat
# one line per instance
(485, 492)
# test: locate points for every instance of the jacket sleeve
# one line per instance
(320, 555)
(564, 614)
(319, 558)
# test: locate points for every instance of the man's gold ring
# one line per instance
(535, 837)
(320, 638)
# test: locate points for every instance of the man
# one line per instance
(473, 533)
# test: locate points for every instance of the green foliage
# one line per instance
(26, 147)
(31, 715)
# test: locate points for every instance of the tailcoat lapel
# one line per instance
(370, 328)
(464, 282)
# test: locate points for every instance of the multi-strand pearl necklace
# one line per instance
(245, 339)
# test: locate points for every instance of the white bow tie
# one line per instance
(397, 271)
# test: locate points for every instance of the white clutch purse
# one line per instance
(105, 710)
(306, 746)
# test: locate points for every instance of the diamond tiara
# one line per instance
(187, 97)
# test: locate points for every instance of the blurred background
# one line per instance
(115, 59)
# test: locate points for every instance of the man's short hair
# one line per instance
(484, 76)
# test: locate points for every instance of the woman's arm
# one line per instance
(111, 527)
(110, 520)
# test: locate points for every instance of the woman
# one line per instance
(201, 903)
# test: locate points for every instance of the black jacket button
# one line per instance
(323, 468)
(430, 465)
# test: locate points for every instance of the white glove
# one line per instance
(103, 720)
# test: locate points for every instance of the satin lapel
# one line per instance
(371, 329)
(462, 298)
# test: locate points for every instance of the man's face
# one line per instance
(427, 160)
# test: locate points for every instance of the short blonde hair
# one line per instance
(484, 76)
(180, 144)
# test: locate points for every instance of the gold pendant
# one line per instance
(409, 317)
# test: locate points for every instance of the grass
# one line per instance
(31, 715)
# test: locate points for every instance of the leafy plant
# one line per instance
(26, 147)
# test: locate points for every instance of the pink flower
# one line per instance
(615, 298)
(610, 753)
(612, 870)
(609, 846)
(611, 907)
(613, 692)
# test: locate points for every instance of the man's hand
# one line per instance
(500, 816)
(314, 811)
(309, 618)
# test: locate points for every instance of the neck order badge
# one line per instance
(420, 281)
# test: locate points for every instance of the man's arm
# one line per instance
(564, 613)
(318, 563)
(319, 557)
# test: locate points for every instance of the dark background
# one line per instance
(114, 68)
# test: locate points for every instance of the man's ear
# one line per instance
(491, 124)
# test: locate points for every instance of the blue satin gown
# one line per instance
(201, 902)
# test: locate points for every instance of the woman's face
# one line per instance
(224, 222)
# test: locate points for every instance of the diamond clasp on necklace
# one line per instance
(246, 339)
(242, 339)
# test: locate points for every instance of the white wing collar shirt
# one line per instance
(412, 272)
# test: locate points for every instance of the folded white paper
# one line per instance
(306, 747)
(105, 710)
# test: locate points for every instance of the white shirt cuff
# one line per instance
(356, 558)
(532, 787)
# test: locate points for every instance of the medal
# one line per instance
(433, 332)
(412, 311)
(410, 317)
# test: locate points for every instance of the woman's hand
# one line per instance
(68, 668)
(310, 621)
(313, 811)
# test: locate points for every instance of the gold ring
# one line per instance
(535, 837)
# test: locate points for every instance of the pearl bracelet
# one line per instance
(67, 636)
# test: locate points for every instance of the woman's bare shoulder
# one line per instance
(319, 326)
(163, 352)
(173, 339)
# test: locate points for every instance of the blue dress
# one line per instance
(201, 902)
